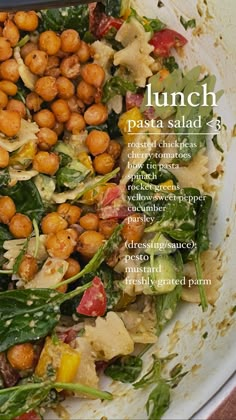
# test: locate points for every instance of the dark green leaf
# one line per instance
(202, 235)
(158, 401)
(71, 175)
(74, 17)
(4, 177)
(113, 8)
(216, 144)
(112, 125)
(5, 235)
(191, 23)
(117, 86)
(126, 369)
(170, 64)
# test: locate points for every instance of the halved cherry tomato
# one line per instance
(166, 39)
(94, 300)
(31, 415)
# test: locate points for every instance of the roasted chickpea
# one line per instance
(33, 101)
(9, 70)
(89, 221)
(46, 138)
(73, 269)
(4, 158)
(49, 42)
(76, 105)
(86, 92)
(7, 209)
(96, 114)
(107, 227)
(17, 106)
(52, 223)
(11, 32)
(26, 21)
(37, 62)
(45, 118)
(10, 122)
(133, 229)
(97, 142)
(73, 234)
(103, 164)
(3, 99)
(60, 244)
(76, 123)
(52, 68)
(46, 88)
(8, 87)
(61, 110)
(70, 67)
(28, 267)
(46, 163)
(93, 74)
(114, 149)
(28, 48)
(65, 88)
(3, 16)
(58, 128)
(83, 52)
(20, 226)
(89, 243)
(70, 41)
(5, 49)
(70, 213)
(21, 356)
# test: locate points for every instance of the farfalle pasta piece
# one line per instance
(136, 54)
(211, 268)
(103, 54)
(141, 326)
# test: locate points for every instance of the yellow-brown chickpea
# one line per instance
(33, 101)
(73, 234)
(46, 88)
(70, 41)
(103, 164)
(3, 99)
(7, 209)
(97, 142)
(45, 118)
(96, 114)
(3, 16)
(10, 122)
(61, 110)
(76, 105)
(114, 149)
(76, 123)
(89, 243)
(20, 226)
(53, 223)
(17, 106)
(11, 32)
(70, 67)
(83, 52)
(5, 49)
(58, 128)
(21, 356)
(93, 74)
(49, 42)
(133, 229)
(70, 213)
(4, 157)
(46, 138)
(107, 227)
(60, 244)
(37, 62)
(73, 269)
(28, 268)
(89, 221)
(27, 48)
(9, 70)
(86, 92)
(65, 88)
(26, 21)
(46, 163)
(8, 87)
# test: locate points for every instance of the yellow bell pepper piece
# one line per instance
(167, 186)
(23, 157)
(69, 364)
(94, 196)
(133, 114)
(86, 160)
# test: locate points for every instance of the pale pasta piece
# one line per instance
(50, 274)
(14, 247)
(103, 55)
(27, 134)
(20, 175)
(141, 326)
(86, 374)
(29, 79)
(193, 175)
(211, 268)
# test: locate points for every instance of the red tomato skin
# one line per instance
(94, 300)
(106, 24)
(166, 39)
(31, 415)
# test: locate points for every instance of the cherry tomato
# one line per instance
(166, 39)
(31, 415)
(107, 23)
(94, 300)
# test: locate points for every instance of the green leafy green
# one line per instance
(150, 25)
(191, 23)
(71, 175)
(117, 86)
(113, 8)
(170, 64)
(74, 17)
(20, 256)
(126, 369)
(4, 177)
(5, 235)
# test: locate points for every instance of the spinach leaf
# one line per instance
(117, 86)
(112, 125)
(170, 64)
(26, 198)
(5, 235)
(74, 17)
(71, 175)
(113, 8)
(150, 25)
(126, 369)
(4, 177)
(191, 23)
